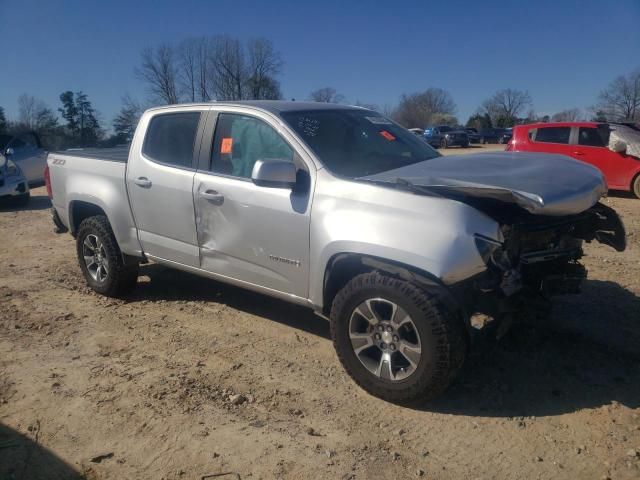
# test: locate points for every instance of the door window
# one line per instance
(592, 137)
(170, 138)
(240, 141)
(552, 135)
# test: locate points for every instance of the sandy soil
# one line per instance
(148, 387)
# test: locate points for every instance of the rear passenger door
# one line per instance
(160, 182)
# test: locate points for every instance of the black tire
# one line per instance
(120, 278)
(635, 186)
(441, 332)
(443, 143)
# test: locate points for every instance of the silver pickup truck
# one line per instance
(342, 210)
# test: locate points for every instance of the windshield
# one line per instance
(357, 143)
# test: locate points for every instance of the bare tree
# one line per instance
(326, 95)
(124, 124)
(188, 65)
(34, 114)
(506, 105)
(425, 108)
(264, 64)
(228, 68)
(620, 101)
(569, 115)
(159, 70)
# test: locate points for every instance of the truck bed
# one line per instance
(96, 177)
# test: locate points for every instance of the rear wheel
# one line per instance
(395, 340)
(635, 186)
(101, 260)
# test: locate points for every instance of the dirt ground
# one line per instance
(188, 377)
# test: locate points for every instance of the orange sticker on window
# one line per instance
(227, 145)
(387, 135)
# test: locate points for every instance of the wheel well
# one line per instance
(79, 210)
(344, 266)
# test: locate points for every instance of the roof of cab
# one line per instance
(273, 106)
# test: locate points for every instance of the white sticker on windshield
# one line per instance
(379, 120)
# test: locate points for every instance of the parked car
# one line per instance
(27, 153)
(13, 184)
(341, 210)
(444, 136)
(495, 135)
(587, 142)
(474, 136)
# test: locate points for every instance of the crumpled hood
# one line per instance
(541, 183)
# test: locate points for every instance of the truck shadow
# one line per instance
(36, 202)
(556, 367)
(170, 284)
(586, 355)
(22, 458)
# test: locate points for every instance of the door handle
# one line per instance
(578, 153)
(213, 196)
(143, 182)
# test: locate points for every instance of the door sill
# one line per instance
(289, 297)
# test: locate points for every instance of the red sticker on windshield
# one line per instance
(387, 135)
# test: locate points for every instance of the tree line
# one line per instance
(223, 67)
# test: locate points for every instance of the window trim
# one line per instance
(205, 160)
(197, 140)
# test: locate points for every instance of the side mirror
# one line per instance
(618, 146)
(9, 151)
(274, 172)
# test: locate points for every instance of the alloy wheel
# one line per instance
(95, 258)
(385, 339)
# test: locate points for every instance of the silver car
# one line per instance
(13, 184)
(27, 153)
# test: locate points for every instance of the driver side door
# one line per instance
(253, 234)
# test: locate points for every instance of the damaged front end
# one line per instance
(539, 258)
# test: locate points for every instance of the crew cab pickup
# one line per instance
(339, 209)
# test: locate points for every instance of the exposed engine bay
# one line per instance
(540, 257)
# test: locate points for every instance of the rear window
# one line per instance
(552, 135)
(170, 138)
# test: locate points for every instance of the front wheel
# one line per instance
(635, 186)
(101, 260)
(397, 341)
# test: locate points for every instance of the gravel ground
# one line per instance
(188, 377)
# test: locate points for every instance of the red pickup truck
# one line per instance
(585, 141)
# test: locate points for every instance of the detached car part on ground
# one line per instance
(341, 210)
(13, 184)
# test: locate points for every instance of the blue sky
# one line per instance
(563, 51)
